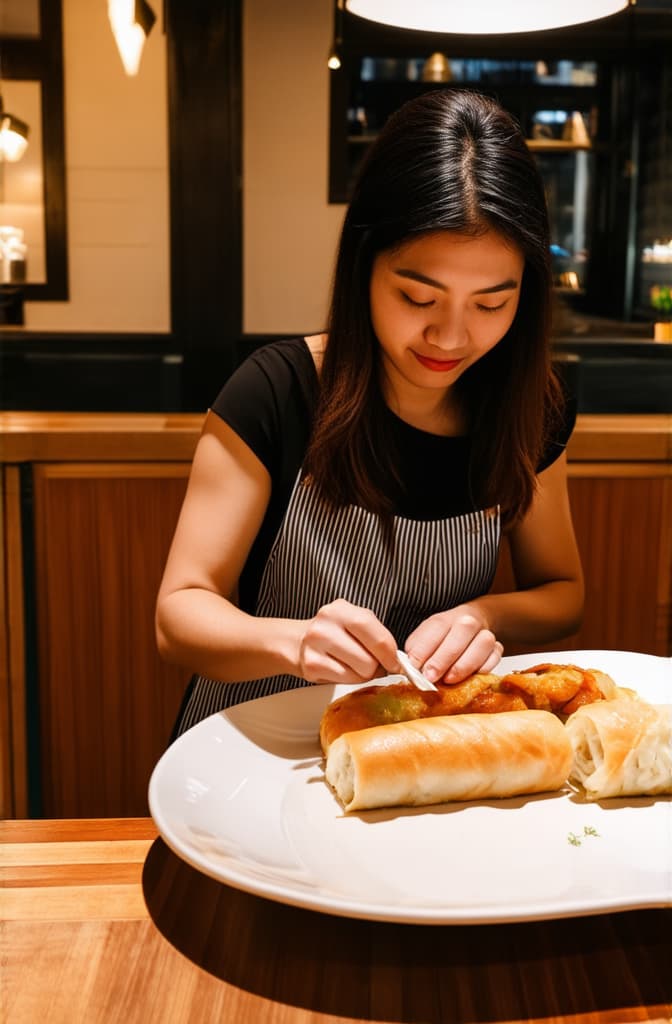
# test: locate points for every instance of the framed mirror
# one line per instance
(32, 188)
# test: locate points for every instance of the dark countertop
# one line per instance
(618, 347)
(610, 367)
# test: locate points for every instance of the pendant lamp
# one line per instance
(13, 136)
(484, 17)
(131, 22)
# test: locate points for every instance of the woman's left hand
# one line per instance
(452, 645)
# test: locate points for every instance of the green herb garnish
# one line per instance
(588, 830)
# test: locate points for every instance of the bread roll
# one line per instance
(457, 757)
(621, 747)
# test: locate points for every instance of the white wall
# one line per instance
(290, 230)
(117, 182)
(117, 174)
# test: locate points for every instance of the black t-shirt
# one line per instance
(270, 401)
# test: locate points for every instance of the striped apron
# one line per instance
(322, 553)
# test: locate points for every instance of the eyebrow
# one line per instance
(413, 275)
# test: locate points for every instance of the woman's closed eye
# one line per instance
(491, 309)
(413, 302)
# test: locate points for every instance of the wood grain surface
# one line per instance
(68, 436)
(101, 922)
(623, 523)
(13, 752)
(107, 702)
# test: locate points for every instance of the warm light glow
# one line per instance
(129, 33)
(334, 62)
(13, 138)
(13, 251)
(484, 17)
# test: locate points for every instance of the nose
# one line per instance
(449, 331)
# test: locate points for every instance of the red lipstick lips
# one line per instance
(437, 365)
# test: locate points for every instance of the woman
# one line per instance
(349, 490)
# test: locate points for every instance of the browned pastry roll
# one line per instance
(458, 757)
(560, 689)
(398, 702)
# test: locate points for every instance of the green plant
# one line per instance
(661, 298)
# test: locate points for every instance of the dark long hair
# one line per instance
(448, 160)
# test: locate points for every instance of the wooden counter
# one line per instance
(45, 437)
(621, 439)
(101, 922)
(73, 437)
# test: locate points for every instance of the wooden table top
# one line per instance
(101, 922)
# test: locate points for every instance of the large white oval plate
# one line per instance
(242, 798)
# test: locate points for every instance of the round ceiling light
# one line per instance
(484, 17)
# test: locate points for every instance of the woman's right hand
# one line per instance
(344, 643)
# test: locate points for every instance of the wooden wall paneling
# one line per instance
(623, 534)
(6, 792)
(663, 630)
(107, 701)
(13, 699)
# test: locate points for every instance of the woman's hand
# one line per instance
(344, 643)
(452, 645)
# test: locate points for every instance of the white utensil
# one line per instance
(413, 674)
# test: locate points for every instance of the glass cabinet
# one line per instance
(653, 250)
(596, 112)
(556, 103)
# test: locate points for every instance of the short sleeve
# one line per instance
(268, 401)
(246, 403)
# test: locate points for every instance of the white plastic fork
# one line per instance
(413, 674)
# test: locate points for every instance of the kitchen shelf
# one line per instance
(539, 145)
(557, 146)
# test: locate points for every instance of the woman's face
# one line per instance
(439, 303)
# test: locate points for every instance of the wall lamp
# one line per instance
(13, 135)
(131, 22)
(480, 17)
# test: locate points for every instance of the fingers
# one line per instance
(466, 648)
(454, 645)
(424, 641)
(482, 655)
(344, 643)
(493, 661)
